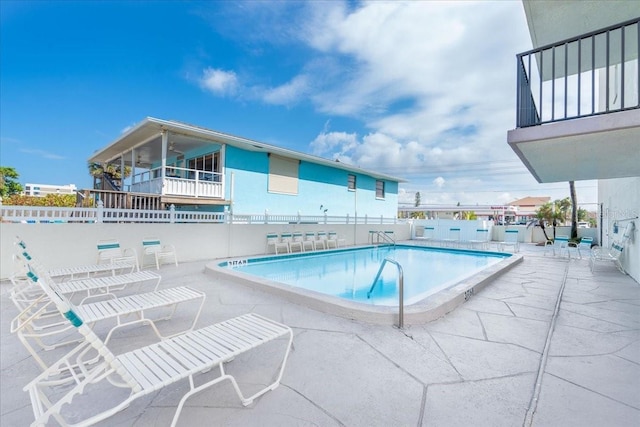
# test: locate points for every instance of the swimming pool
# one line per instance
(337, 281)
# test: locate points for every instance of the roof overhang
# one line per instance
(598, 147)
(146, 139)
(550, 21)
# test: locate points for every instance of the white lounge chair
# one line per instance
(510, 239)
(90, 287)
(109, 251)
(612, 254)
(34, 323)
(152, 248)
(71, 273)
(146, 369)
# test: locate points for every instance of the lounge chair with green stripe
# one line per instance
(37, 329)
(113, 382)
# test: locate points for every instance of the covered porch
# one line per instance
(181, 164)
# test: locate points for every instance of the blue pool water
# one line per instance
(349, 273)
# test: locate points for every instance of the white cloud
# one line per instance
(219, 82)
(433, 84)
(288, 93)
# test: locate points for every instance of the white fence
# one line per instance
(38, 214)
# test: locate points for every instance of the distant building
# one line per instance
(527, 208)
(41, 190)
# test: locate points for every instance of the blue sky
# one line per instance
(420, 90)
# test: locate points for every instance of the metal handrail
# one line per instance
(386, 238)
(400, 288)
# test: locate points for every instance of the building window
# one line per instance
(351, 182)
(204, 165)
(283, 175)
(379, 189)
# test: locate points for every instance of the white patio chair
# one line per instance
(425, 234)
(297, 241)
(334, 240)
(309, 240)
(453, 238)
(585, 246)
(159, 253)
(510, 239)
(559, 244)
(284, 242)
(147, 369)
(321, 240)
(110, 251)
(482, 239)
(272, 240)
(34, 323)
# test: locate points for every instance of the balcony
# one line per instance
(181, 182)
(578, 106)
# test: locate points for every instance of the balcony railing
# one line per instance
(595, 73)
(179, 182)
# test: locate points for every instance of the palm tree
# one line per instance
(574, 210)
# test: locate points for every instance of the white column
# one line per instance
(133, 166)
(163, 165)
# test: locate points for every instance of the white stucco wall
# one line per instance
(620, 203)
(59, 245)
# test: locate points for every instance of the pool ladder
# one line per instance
(384, 236)
(400, 288)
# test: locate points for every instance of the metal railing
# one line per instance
(400, 288)
(384, 236)
(591, 74)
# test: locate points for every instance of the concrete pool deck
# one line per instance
(493, 361)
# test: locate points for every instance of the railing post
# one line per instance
(266, 216)
(325, 218)
(347, 218)
(172, 213)
(299, 218)
(366, 218)
(100, 211)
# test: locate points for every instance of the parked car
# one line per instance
(583, 224)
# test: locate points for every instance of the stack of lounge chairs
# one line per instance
(297, 241)
(72, 310)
